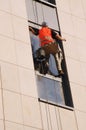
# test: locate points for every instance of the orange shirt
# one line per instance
(45, 36)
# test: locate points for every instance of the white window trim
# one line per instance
(49, 76)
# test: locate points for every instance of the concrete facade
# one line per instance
(19, 106)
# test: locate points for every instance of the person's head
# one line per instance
(44, 24)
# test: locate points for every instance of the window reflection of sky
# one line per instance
(34, 42)
(38, 13)
(50, 90)
(59, 93)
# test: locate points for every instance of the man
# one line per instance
(47, 42)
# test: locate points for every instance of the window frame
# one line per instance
(65, 79)
(44, 15)
(47, 2)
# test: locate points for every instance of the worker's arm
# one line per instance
(32, 30)
(57, 36)
(60, 38)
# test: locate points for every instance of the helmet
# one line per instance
(44, 24)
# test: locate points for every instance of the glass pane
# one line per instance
(59, 93)
(50, 17)
(39, 12)
(31, 13)
(35, 43)
(42, 93)
(50, 90)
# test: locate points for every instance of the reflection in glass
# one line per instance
(59, 93)
(31, 13)
(42, 93)
(50, 90)
(40, 16)
(50, 17)
(38, 13)
(35, 43)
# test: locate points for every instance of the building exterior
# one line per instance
(23, 102)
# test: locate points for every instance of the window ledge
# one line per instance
(49, 76)
(56, 104)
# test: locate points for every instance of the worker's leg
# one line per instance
(53, 49)
(58, 58)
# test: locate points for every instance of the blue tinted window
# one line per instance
(37, 12)
(50, 90)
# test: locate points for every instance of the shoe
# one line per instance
(61, 72)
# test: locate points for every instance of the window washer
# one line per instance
(47, 41)
(49, 45)
(39, 57)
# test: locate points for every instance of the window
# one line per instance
(37, 13)
(50, 89)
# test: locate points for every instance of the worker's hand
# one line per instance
(31, 29)
(63, 39)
